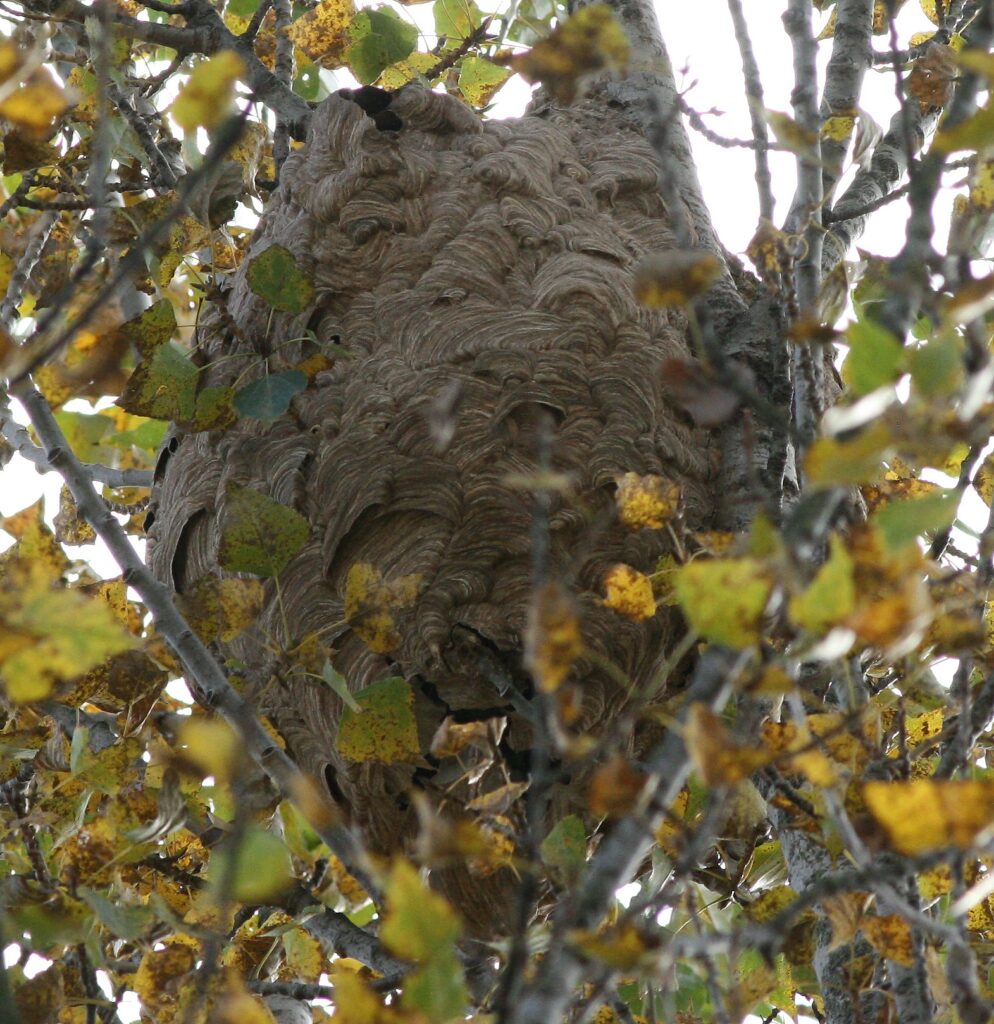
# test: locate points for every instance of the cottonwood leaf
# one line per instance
(436, 990)
(565, 847)
(831, 596)
(587, 41)
(922, 815)
(629, 593)
(385, 729)
(646, 502)
(890, 935)
(371, 603)
(676, 277)
(259, 536)
(724, 599)
(480, 79)
(126, 921)
(163, 387)
(275, 276)
(378, 37)
(553, 642)
(875, 357)
(902, 522)
(261, 869)
(456, 20)
(323, 33)
(269, 397)
(206, 98)
(419, 925)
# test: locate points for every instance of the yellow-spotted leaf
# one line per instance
(646, 502)
(922, 815)
(322, 33)
(724, 599)
(629, 593)
(675, 278)
(553, 641)
(480, 80)
(372, 604)
(260, 536)
(385, 730)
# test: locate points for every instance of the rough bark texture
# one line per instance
(483, 269)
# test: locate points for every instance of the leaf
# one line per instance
(34, 106)
(123, 920)
(715, 754)
(676, 277)
(261, 870)
(875, 357)
(322, 33)
(587, 41)
(854, 460)
(456, 20)
(983, 480)
(419, 925)
(49, 634)
(923, 815)
(259, 536)
(480, 79)
(379, 37)
(211, 745)
(891, 937)
(831, 596)
(903, 522)
(552, 642)
(646, 502)
(724, 599)
(206, 98)
(629, 593)
(269, 397)
(436, 992)
(565, 847)
(385, 731)
(370, 604)
(275, 276)
(615, 788)
(163, 387)
(413, 66)
(335, 680)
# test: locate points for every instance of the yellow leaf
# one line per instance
(629, 593)
(615, 788)
(716, 757)
(370, 603)
(419, 924)
(844, 913)
(724, 599)
(890, 936)
(676, 277)
(924, 727)
(622, 948)
(411, 67)
(838, 127)
(588, 41)
(36, 104)
(323, 33)
(646, 502)
(553, 640)
(768, 905)
(205, 100)
(983, 480)
(212, 745)
(923, 815)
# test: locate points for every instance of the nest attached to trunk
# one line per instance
(472, 280)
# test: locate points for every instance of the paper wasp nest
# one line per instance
(473, 280)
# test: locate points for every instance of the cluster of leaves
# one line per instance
(143, 851)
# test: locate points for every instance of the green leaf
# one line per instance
(151, 328)
(261, 868)
(260, 535)
(163, 387)
(902, 522)
(436, 991)
(457, 20)
(275, 276)
(937, 366)
(123, 920)
(419, 925)
(831, 596)
(565, 847)
(380, 37)
(384, 730)
(479, 79)
(148, 436)
(269, 397)
(875, 357)
(86, 433)
(337, 682)
(213, 410)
